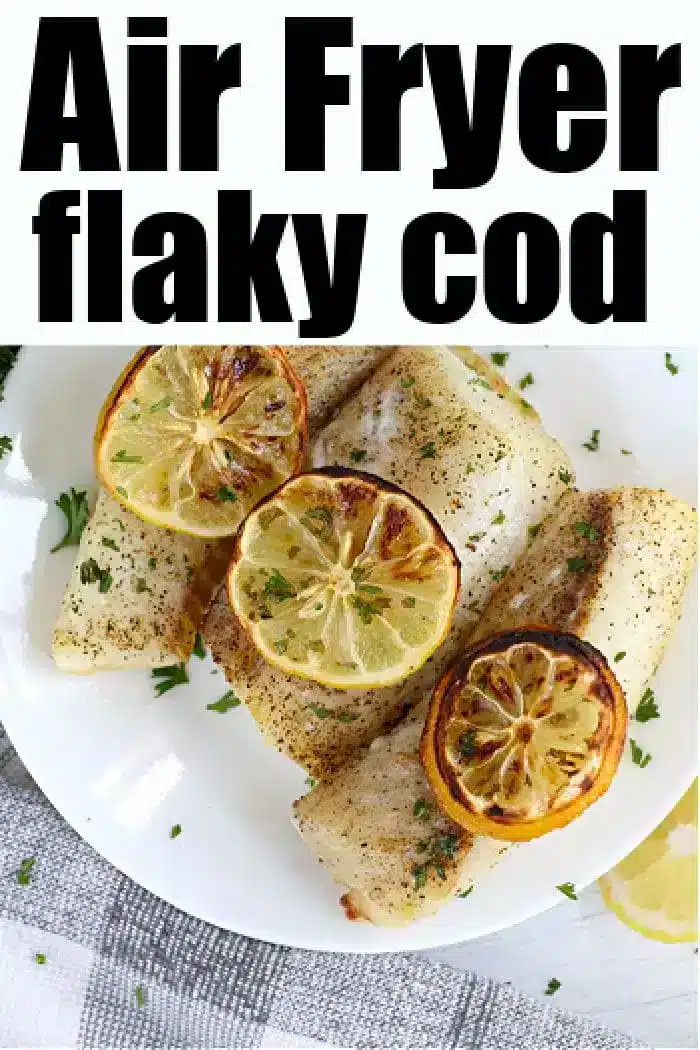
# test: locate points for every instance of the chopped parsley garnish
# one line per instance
(467, 744)
(24, 875)
(421, 809)
(499, 358)
(208, 400)
(567, 888)
(577, 564)
(639, 757)
(423, 402)
(169, 677)
(584, 528)
(670, 367)
(526, 381)
(625, 452)
(280, 646)
(228, 701)
(408, 602)
(311, 782)
(140, 997)
(75, 507)
(107, 541)
(499, 518)
(553, 986)
(476, 536)
(420, 875)
(427, 451)
(227, 495)
(369, 588)
(565, 477)
(408, 383)
(278, 587)
(8, 359)
(319, 711)
(646, 708)
(358, 455)
(40, 959)
(90, 572)
(532, 530)
(366, 608)
(465, 893)
(165, 402)
(440, 849)
(5, 445)
(152, 563)
(593, 443)
(619, 656)
(198, 648)
(497, 458)
(498, 574)
(122, 491)
(140, 585)
(324, 712)
(175, 830)
(357, 574)
(122, 456)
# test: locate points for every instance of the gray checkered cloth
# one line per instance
(104, 937)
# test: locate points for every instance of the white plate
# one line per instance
(123, 766)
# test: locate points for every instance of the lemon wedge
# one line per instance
(655, 889)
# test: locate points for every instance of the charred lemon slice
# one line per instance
(343, 578)
(193, 437)
(523, 733)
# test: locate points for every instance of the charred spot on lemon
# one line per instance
(523, 733)
(192, 437)
(342, 578)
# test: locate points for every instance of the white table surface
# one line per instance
(608, 971)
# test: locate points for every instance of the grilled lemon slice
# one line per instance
(655, 889)
(343, 578)
(523, 733)
(193, 437)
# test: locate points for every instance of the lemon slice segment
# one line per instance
(655, 889)
(343, 578)
(523, 733)
(193, 437)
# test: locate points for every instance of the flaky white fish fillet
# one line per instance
(149, 615)
(362, 823)
(479, 459)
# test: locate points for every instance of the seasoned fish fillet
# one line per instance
(149, 615)
(148, 624)
(485, 467)
(363, 822)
